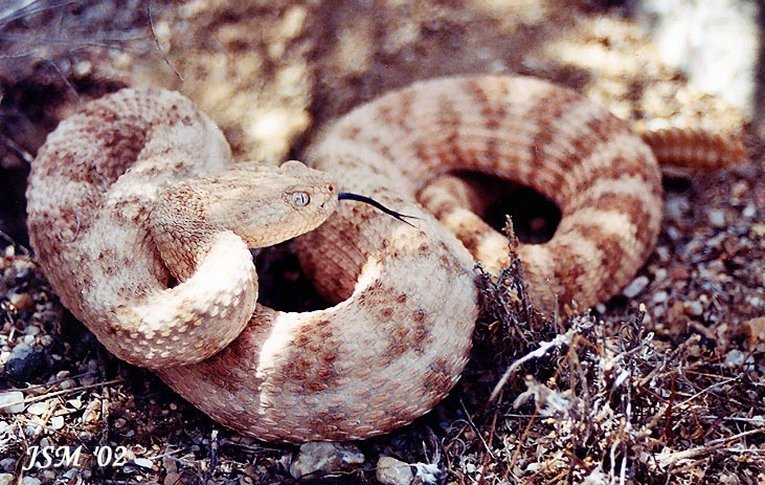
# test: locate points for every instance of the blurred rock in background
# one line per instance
(717, 43)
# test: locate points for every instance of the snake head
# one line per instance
(279, 203)
(264, 205)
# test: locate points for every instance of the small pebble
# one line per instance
(8, 464)
(38, 408)
(322, 456)
(67, 384)
(734, 358)
(30, 481)
(6, 479)
(635, 287)
(25, 361)
(33, 430)
(660, 297)
(71, 473)
(144, 463)
(22, 301)
(391, 471)
(693, 308)
(717, 218)
(12, 402)
(660, 274)
(673, 233)
(57, 422)
(748, 212)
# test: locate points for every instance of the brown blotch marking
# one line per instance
(632, 207)
(404, 102)
(622, 166)
(442, 210)
(611, 248)
(424, 248)
(411, 334)
(99, 110)
(326, 423)
(438, 382)
(568, 269)
(472, 234)
(351, 132)
(398, 342)
(419, 316)
(385, 114)
(600, 129)
(312, 363)
(386, 313)
(549, 109)
(493, 111)
(449, 150)
(421, 333)
(375, 287)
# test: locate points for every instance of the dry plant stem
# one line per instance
(714, 445)
(119, 187)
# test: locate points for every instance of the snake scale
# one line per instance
(142, 224)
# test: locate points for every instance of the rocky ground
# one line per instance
(664, 383)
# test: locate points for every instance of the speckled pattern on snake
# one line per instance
(142, 223)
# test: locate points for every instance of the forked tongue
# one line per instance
(366, 200)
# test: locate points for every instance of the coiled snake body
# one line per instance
(142, 224)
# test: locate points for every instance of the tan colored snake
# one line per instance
(142, 223)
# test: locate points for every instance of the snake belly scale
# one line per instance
(127, 206)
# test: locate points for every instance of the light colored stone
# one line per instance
(11, 402)
(57, 422)
(325, 457)
(144, 463)
(734, 358)
(717, 218)
(635, 287)
(391, 471)
(38, 408)
(693, 308)
(22, 302)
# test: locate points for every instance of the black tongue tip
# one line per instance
(367, 200)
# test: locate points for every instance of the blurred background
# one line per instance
(271, 72)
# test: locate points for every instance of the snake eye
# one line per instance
(300, 199)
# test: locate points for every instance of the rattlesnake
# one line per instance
(130, 201)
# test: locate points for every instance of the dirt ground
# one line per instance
(664, 384)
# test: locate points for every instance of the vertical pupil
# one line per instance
(300, 198)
